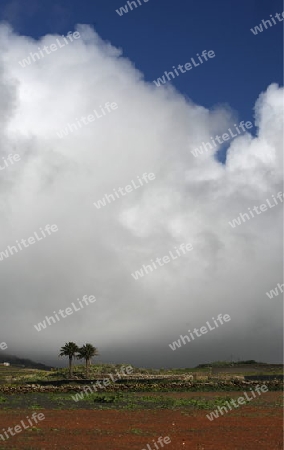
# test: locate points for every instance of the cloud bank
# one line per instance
(95, 250)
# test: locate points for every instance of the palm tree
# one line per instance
(69, 349)
(87, 352)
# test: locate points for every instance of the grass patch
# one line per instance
(136, 431)
(134, 401)
(105, 398)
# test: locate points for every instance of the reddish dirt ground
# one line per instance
(250, 427)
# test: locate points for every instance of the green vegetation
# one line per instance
(138, 431)
(105, 398)
(15, 375)
(125, 400)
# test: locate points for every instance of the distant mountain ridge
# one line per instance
(28, 363)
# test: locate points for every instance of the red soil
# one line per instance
(247, 428)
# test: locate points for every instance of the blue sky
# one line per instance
(163, 33)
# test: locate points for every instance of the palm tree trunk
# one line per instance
(70, 367)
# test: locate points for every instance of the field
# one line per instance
(132, 414)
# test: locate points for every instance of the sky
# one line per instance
(87, 119)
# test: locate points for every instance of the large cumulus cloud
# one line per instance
(96, 250)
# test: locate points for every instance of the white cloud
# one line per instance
(95, 251)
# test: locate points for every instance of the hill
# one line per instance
(22, 362)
